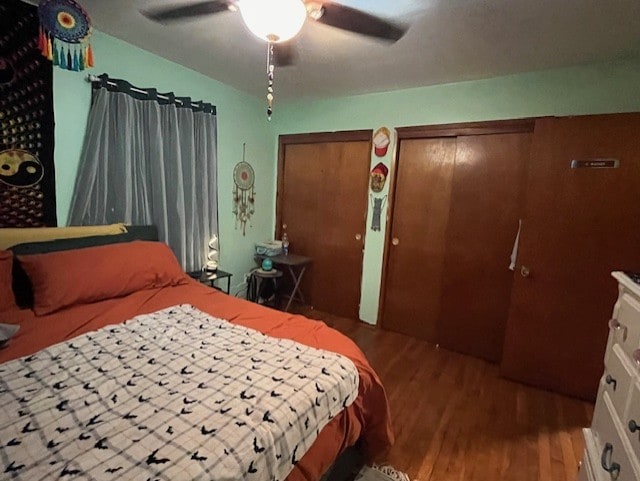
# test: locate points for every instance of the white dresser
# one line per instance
(612, 450)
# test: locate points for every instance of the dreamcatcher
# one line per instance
(65, 29)
(243, 192)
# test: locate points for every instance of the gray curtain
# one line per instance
(150, 158)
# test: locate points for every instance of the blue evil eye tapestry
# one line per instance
(27, 177)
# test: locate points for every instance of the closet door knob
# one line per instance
(525, 271)
(395, 241)
(358, 237)
(610, 380)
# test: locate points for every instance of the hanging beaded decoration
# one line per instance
(270, 70)
(65, 30)
(243, 192)
(378, 204)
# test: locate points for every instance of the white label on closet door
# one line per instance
(595, 164)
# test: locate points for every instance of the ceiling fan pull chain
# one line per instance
(270, 70)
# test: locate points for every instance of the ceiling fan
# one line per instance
(278, 21)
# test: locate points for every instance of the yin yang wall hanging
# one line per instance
(27, 170)
(244, 194)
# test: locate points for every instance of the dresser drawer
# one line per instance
(625, 325)
(585, 473)
(616, 380)
(631, 421)
(590, 459)
(614, 462)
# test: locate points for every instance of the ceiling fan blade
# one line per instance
(357, 21)
(285, 53)
(190, 10)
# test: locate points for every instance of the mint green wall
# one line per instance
(606, 87)
(603, 88)
(241, 118)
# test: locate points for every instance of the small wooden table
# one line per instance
(207, 277)
(296, 265)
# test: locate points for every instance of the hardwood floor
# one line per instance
(455, 418)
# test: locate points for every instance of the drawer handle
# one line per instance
(616, 326)
(610, 467)
(636, 356)
(633, 426)
(610, 380)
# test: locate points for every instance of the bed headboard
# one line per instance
(134, 232)
(143, 232)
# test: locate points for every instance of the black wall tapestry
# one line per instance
(27, 177)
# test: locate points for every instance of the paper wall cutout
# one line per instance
(378, 177)
(378, 204)
(381, 141)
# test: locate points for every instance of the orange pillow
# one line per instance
(7, 301)
(81, 276)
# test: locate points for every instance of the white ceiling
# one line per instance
(448, 41)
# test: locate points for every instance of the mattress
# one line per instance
(365, 420)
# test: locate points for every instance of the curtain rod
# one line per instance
(94, 78)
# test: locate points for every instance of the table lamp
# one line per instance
(213, 256)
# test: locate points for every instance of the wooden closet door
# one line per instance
(580, 225)
(413, 284)
(486, 204)
(323, 205)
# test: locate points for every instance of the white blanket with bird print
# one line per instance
(173, 395)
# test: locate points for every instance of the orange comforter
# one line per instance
(366, 419)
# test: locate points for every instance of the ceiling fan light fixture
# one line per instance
(315, 10)
(273, 20)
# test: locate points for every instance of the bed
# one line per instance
(78, 330)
